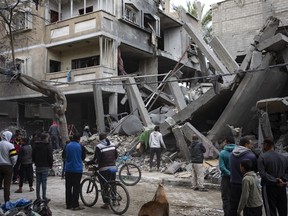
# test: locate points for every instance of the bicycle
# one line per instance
(129, 173)
(119, 199)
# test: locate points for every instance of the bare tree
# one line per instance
(9, 10)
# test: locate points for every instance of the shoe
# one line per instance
(203, 189)
(18, 191)
(68, 207)
(46, 200)
(150, 170)
(195, 188)
(31, 189)
(105, 206)
(78, 208)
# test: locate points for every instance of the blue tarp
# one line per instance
(13, 204)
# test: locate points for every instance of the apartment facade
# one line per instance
(81, 42)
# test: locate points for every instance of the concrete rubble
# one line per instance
(228, 107)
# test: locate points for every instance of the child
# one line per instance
(251, 200)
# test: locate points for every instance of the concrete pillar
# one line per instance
(181, 143)
(135, 94)
(177, 93)
(113, 104)
(224, 55)
(132, 103)
(98, 102)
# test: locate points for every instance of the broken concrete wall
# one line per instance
(236, 24)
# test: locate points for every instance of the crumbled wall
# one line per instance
(237, 25)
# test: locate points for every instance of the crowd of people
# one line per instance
(240, 167)
(18, 154)
(241, 190)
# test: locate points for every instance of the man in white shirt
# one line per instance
(155, 143)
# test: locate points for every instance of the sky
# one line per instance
(206, 2)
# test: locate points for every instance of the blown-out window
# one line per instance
(85, 62)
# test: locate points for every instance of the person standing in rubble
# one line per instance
(241, 152)
(26, 168)
(86, 131)
(196, 152)
(273, 169)
(43, 158)
(8, 158)
(224, 166)
(155, 143)
(55, 135)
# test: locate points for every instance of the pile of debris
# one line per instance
(171, 162)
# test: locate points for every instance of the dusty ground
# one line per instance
(183, 200)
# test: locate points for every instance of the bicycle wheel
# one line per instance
(129, 174)
(119, 199)
(89, 192)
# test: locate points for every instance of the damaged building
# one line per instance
(137, 58)
(80, 44)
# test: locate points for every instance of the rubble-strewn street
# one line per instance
(183, 200)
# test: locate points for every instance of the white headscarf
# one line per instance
(7, 135)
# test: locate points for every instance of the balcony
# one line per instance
(79, 28)
(60, 79)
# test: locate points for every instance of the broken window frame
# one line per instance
(91, 61)
(131, 13)
(22, 20)
(54, 66)
(87, 10)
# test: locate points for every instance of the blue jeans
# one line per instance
(41, 178)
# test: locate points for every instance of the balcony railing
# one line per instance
(78, 26)
(63, 78)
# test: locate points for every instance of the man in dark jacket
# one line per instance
(224, 166)
(241, 152)
(43, 158)
(26, 168)
(273, 169)
(105, 156)
(196, 151)
(74, 153)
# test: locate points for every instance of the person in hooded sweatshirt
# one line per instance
(224, 166)
(250, 201)
(241, 152)
(8, 158)
(155, 143)
(105, 156)
(196, 152)
(43, 158)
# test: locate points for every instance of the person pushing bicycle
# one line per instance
(105, 156)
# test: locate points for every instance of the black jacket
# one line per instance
(196, 152)
(42, 154)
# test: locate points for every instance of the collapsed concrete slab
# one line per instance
(223, 54)
(239, 111)
(275, 43)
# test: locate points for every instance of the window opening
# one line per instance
(85, 62)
